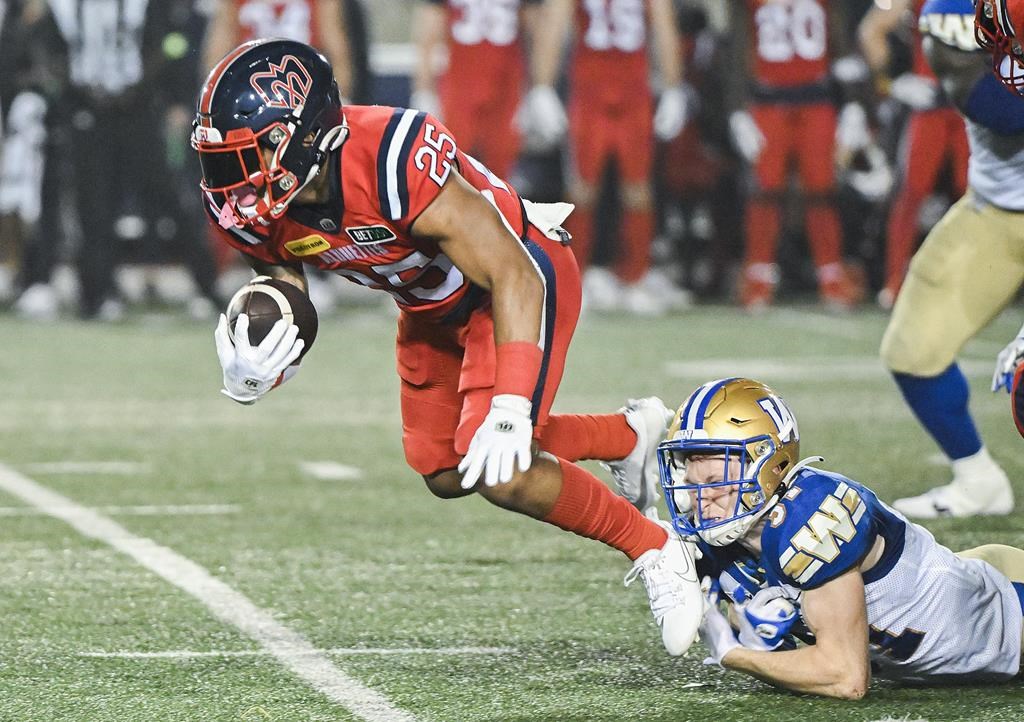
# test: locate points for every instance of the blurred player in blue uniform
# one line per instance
(796, 552)
(967, 271)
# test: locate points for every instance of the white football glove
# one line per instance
(505, 436)
(765, 619)
(427, 101)
(672, 113)
(542, 118)
(747, 138)
(251, 371)
(1007, 361)
(915, 91)
(715, 630)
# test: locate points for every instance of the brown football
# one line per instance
(265, 300)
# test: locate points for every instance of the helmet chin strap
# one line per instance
(733, 531)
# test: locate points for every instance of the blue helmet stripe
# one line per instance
(693, 415)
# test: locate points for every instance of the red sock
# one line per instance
(580, 225)
(825, 235)
(587, 507)
(634, 256)
(764, 219)
(604, 437)
(901, 235)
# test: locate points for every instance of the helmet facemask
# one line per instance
(994, 31)
(722, 510)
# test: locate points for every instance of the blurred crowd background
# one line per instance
(813, 149)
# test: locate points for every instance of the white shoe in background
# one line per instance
(980, 487)
(38, 302)
(602, 291)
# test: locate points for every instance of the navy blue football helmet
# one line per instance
(268, 115)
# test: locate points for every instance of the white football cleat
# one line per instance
(979, 488)
(673, 588)
(636, 477)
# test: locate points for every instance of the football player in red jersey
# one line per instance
(791, 118)
(487, 288)
(478, 93)
(934, 134)
(610, 121)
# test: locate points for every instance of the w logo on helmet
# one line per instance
(285, 85)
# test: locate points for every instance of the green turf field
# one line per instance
(450, 611)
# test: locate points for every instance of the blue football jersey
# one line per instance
(931, 614)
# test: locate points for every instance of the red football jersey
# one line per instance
(790, 45)
(484, 38)
(610, 56)
(921, 66)
(291, 19)
(392, 166)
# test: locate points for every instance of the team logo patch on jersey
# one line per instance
(368, 235)
(308, 246)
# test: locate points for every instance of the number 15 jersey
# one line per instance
(392, 166)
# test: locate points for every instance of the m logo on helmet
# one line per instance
(285, 85)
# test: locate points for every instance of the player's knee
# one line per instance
(904, 352)
(446, 484)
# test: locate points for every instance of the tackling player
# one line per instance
(487, 288)
(934, 134)
(791, 121)
(479, 92)
(802, 553)
(968, 269)
(611, 120)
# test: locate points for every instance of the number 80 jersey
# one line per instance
(392, 166)
(931, 614)
(790, 42)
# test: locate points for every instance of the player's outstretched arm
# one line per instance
(837, 664)
(471, 233)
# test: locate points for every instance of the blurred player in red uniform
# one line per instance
(610, 121)
(487, 289)
(480, 90)
(934, 134)
(320, 23)
(791, 119)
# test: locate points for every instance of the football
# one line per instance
(265, 300)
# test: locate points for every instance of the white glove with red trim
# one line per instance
(504, 437)
(251, 371)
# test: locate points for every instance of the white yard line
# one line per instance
(87, 467)
(287, 646)
(805, 367)
(330, 471)
(139, 510)
(344, 651)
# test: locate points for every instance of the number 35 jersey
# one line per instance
(392, 166)
(931, 614)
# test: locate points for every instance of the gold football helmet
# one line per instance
(750, 428)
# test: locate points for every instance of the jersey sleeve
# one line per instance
(250, 241)
(416, 157)
(819, 530)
